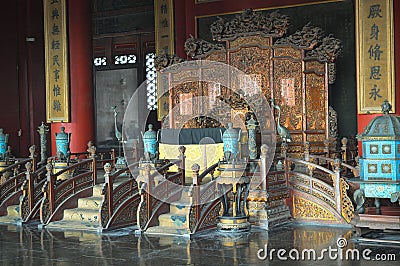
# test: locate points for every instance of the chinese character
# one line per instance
(56, 74)
(56, 105)
(164, 9)
(164, 23)
(56, 30)
(55, 14)
(55, 45)
(374, 32)
(375, 72)
(375, 93)
(56, 90)
(375, 52)
(56, 62)
(54, 1)
(375, 11)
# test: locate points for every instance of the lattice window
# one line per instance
(125, 59)
(151, 77)
(100, 61)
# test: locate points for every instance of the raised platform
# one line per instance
(389, 219)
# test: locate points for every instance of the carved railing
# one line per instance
(334, 195)
(32, 194)
(60, 195)
(151, 207)
(166, 186)
(12, 178)
(204, 206)
(119, 205)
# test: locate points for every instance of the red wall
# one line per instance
(22, 101)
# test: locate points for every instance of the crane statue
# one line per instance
(118, 134)
(120, 163)
(282, 130)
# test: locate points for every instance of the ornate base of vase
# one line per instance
(120, 163)
(59, 166)
(233, 224)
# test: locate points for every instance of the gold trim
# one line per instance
(62, 57)
(388, 82)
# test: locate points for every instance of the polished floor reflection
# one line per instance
(30, 246)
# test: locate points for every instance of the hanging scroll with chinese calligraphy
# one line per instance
(375, 54)
(164, 26)
(56, 57)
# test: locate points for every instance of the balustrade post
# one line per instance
(113, 157)
(196, 189)
(150, 183)
(30, 180)
(50, 187)
(326, 148)
(307, 151)
(108, 180)
(263, 166)
(284, 148)
(336, 182)
(182, 165)
(94, 169)
(32, 156)
(135, 151)
(344, 149)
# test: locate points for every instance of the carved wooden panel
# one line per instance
(292, 70)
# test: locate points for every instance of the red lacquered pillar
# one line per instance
(81, 78)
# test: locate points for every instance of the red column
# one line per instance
(81, 77)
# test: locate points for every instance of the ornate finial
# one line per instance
(195, 168)
(28, 166)
(49, 167)
(386, 107)
(107, 168)
(182, 149)
(32, 151)
(264, 150)
(147, 168)
(337, 164)
(91, 149)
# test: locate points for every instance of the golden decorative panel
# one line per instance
(287, 52)
(375, 54)
(316, 103)
(255, 40)
(306, 209)
(347, 205)
(56, 61)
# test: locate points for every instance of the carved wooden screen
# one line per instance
(292, 70)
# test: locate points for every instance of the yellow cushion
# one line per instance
(204, 155)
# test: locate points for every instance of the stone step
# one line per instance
(97, 190)
(82, 215)
(72, 225)
(90, 202)
(172, 231)
(173, 220)
(10, 220)
(13, 211)
(178, 208)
